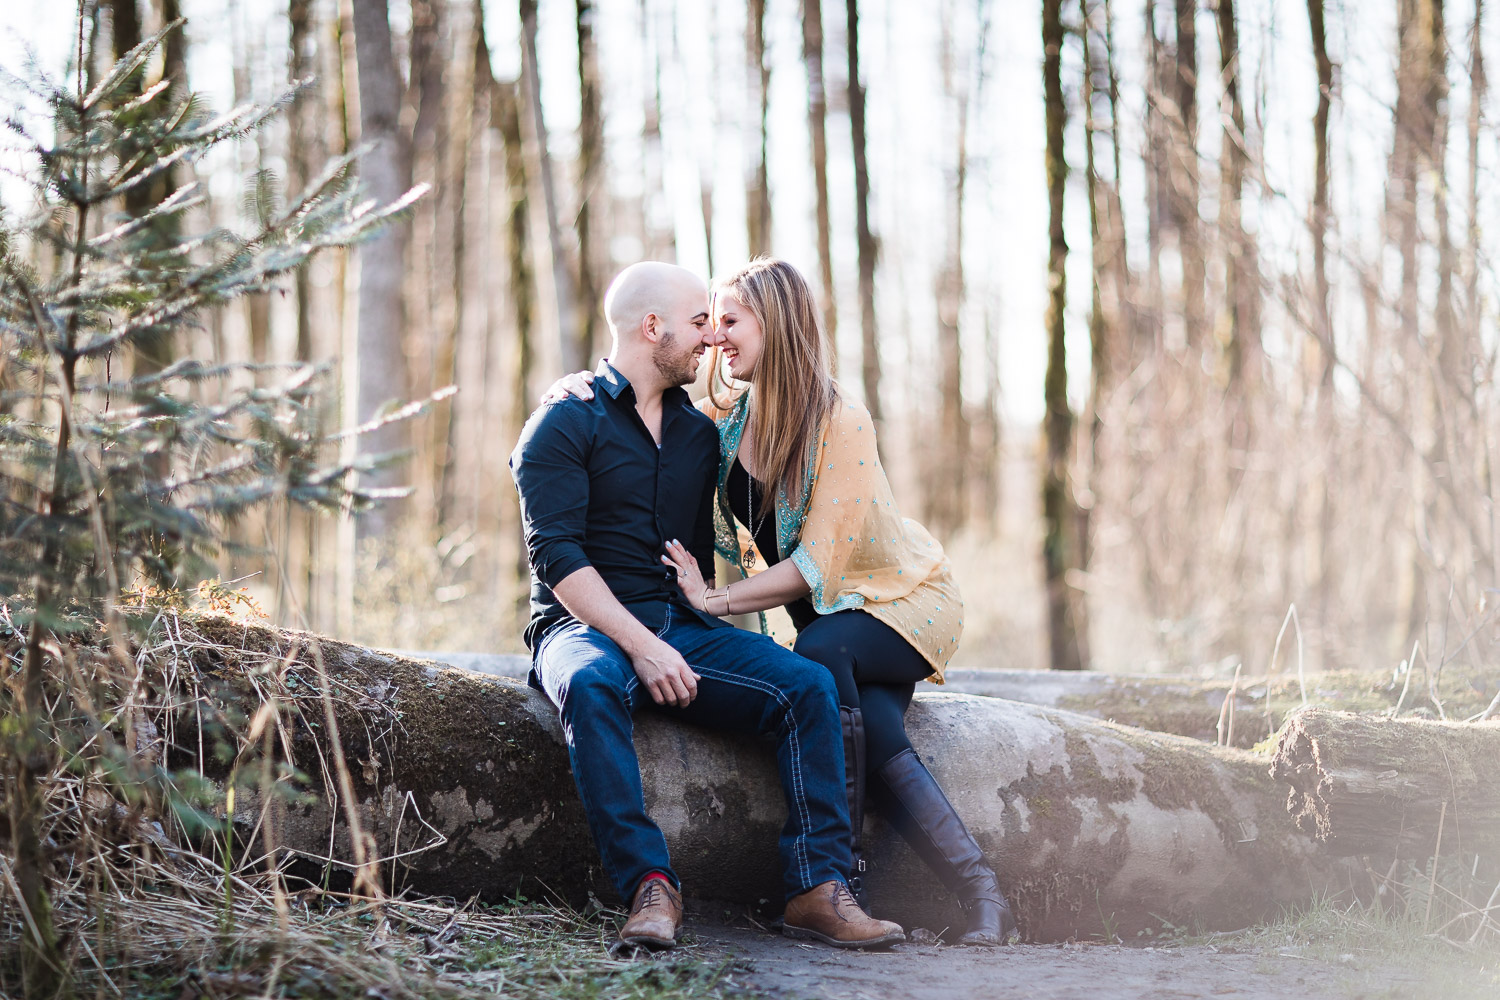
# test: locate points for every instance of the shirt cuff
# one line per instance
(558, 563)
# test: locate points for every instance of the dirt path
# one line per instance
(781, 968)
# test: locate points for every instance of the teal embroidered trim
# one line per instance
(809, 569)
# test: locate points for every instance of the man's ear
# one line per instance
(651, 327)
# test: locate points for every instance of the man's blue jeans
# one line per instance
(749, 684)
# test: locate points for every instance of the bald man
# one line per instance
(605, 483)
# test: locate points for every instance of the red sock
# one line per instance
(651, 875)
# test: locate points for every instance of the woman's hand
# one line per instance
(689, 578)
(578, 384)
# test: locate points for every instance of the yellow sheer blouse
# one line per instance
(848, 538)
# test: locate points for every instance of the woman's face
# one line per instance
(737, 334)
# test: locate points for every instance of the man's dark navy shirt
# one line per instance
(597, 491)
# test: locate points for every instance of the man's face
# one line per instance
(683, 334)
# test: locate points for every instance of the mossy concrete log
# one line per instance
(1367, 785)
(1166, 703)
(1187, 706)
(1093, 827)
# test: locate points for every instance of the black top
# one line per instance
(597, 491)
(742, 488)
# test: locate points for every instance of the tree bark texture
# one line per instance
(1318, 220)
(757, 178)
(1184, 173)
(593, 191)
(946, 482)
(864, 237)
(520, 358)
(817, 125)
(385, 172)
(1242, 342)
(1087, 823)
(1367, 785)
(542, 173)
(1067, 631)
(126, 32)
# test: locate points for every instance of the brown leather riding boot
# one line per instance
(829, 914)
(655, 915)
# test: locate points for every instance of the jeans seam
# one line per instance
(799, 846)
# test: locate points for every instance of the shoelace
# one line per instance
(649, 894)
(842, 896)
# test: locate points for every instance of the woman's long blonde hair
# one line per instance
(792, 393)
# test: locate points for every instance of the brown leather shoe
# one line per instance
(655, 915)
(829, 914)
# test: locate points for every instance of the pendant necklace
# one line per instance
(750, 517)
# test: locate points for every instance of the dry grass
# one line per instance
(154, 897)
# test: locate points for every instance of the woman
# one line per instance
(870, 592)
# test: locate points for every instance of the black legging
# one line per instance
(876, 671)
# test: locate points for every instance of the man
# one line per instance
(605, 483)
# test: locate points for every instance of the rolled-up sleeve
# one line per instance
(550, 468)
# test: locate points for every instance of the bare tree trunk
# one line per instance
(505, 104)
(817, 113)
(947, 486)
(757, 180)
(658, 235)
(1184, 151)
(429, 267)
(1158, 186)
(126, 32)
(305, 154)
(1066, 631)
(593, 192)
(386, 174)
(869, 338)
(304, 143)
(1240, 272)
(541, 158)
(252, 151)
(456, 340)
(1319, 218)
(1100, 331)
(1478, 90)
(1451, 349)
(1407, 140)
(473, 482)
(1321, 317)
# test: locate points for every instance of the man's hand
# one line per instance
(580, 384)
(665, 674)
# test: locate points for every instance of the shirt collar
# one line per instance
(608, 379)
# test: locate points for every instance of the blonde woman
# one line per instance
(802, 495)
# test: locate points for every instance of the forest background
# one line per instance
(1176, 317)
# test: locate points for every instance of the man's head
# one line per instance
(658, 313)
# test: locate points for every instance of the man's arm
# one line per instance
(550, 466)
(660, 667)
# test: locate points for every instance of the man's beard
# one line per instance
(674, 367)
